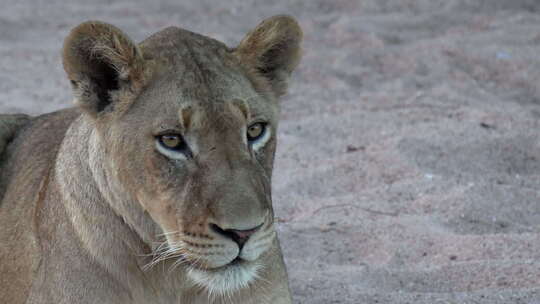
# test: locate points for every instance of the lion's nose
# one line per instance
(239, 236)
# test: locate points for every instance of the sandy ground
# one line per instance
(408, 169)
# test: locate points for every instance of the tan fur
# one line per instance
(95, 212)
(9, 124)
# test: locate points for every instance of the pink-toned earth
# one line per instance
(408, 166)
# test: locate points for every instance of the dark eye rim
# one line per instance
(264, 126)
(182, 147)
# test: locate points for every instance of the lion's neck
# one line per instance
(88, 188)
(114, 230)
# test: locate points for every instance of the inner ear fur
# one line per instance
(101, 61)
(273, 50)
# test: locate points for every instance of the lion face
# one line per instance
(202, 172)
(189, 128)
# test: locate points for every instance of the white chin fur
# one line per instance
(226, 280)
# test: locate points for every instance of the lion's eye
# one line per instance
(173, 146)
(256, 131)
(172, 141)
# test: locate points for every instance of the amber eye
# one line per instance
(255, 131)
(172, 141)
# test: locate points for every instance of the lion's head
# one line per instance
(187, 134)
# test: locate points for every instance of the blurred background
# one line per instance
(408, 164)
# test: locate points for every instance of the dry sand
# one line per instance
(408, 169)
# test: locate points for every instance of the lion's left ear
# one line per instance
(103, 65)
(273, 50)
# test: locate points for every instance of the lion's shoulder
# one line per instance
(32, 144)
(25, 163)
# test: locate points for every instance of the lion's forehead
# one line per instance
(192, 61)
(191, 68)
(166, 100)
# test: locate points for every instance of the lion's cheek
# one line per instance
(160, 209)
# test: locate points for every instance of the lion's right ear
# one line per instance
(273, 50)
(103, 65)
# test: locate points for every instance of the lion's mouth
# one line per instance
(236, 275)
(236, 262)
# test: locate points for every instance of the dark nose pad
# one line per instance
(239, 236)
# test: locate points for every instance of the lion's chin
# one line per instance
(226, 279)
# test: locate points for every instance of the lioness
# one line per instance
(156, 187)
